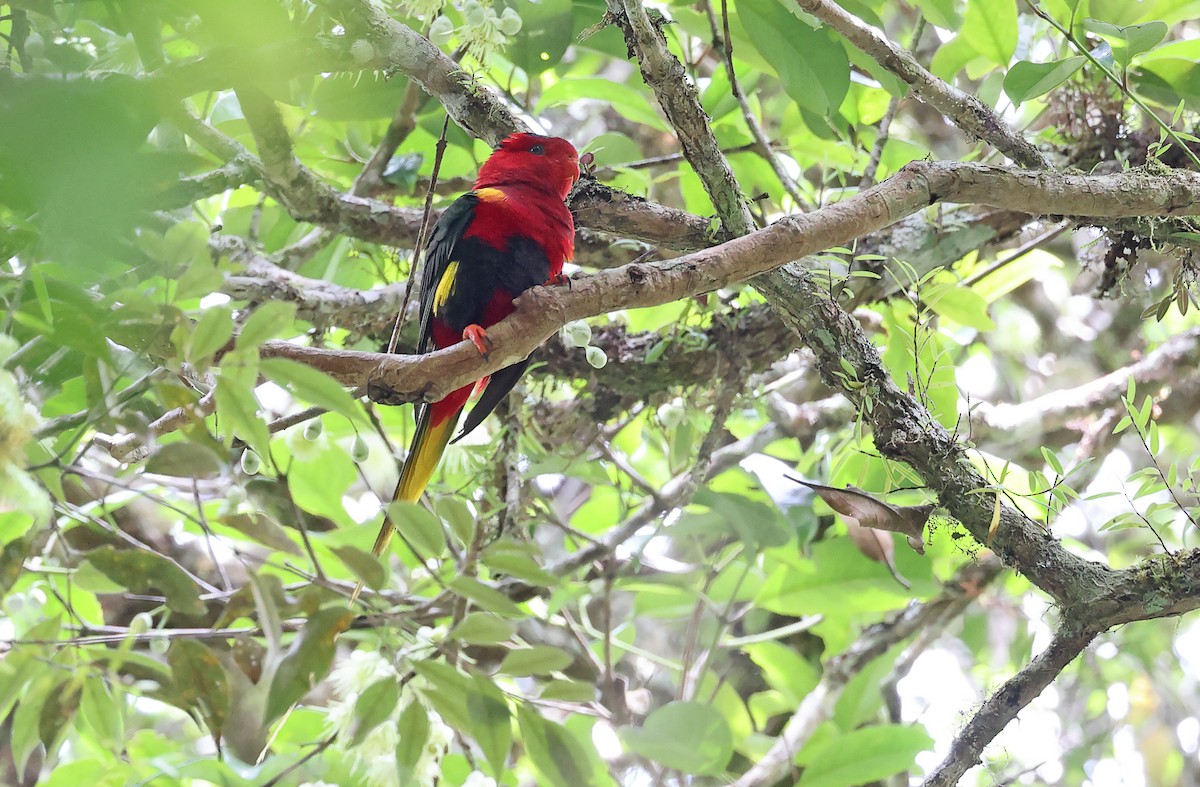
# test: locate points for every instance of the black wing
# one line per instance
(525, 266)
(438, 253)
(497, 388)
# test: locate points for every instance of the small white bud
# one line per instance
(360, 450)
(596, 357)
(510, 22)
(474, 13)
(576, 334)
(362, 51)
(671, 414)
(441, 30)
(313, 429)
(140, 624)
(251, 462)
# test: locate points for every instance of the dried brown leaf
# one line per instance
(871, 512)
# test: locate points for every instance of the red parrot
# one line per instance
(513, 231)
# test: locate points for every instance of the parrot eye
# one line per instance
(538, 150)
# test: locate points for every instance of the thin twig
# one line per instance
(724, 42)
(419, 248)
(963, 110)
(1017, 254)
(885, 124)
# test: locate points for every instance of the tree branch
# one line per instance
(542, 310)
(817, 706)
(962, 109)
(1170, 362)
(1004, 705)
(677, 96)
(398, 47)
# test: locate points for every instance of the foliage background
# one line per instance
(171, 176)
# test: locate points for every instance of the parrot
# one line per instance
(512, 231)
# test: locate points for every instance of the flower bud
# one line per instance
(596, 357)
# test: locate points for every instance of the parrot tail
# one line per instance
(435, 425)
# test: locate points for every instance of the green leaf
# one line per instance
(687, 736)
(307, 660)
(846, 584)
(365, 95)
(481, 628)
(419, 527)
(556, 754)
(812, 65)
(1128, 41)
(1027, 80)
(861, 699)
(1169, 80)
(238, 409)
(26, 724)
(866, 755)
(514, 558)
(185, 244)
(211, 333)
(270, 319)
(990, 26)
(413, 730)
(103, 713)
(140, 571)
(961, 304)
(199, 682)
(363, 565)
(263, 529)
(568, 691)
(784, 669)
(311, 385)
(622, 98)
(447, 692)
(943, 13)
(374, 706)
(537, 660)
(457, 515)
(756, 524)
(491, 722)
(12, 561)
(546, 32)
(318, 482)
(199, 278)
(486, 597)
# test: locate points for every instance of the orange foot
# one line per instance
(560, 280)
(477, 336)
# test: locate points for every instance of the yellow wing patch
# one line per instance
(490, 195)
(445, 287)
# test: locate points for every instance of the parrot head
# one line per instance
(550, 163)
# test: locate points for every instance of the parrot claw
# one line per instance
(560, 280)
(477, 336)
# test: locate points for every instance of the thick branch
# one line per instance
(543, 310)
(322, 303)
(1173, 360)
(398, 47)
(678, 98)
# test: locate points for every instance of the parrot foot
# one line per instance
(477, 336)
(560, 280)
